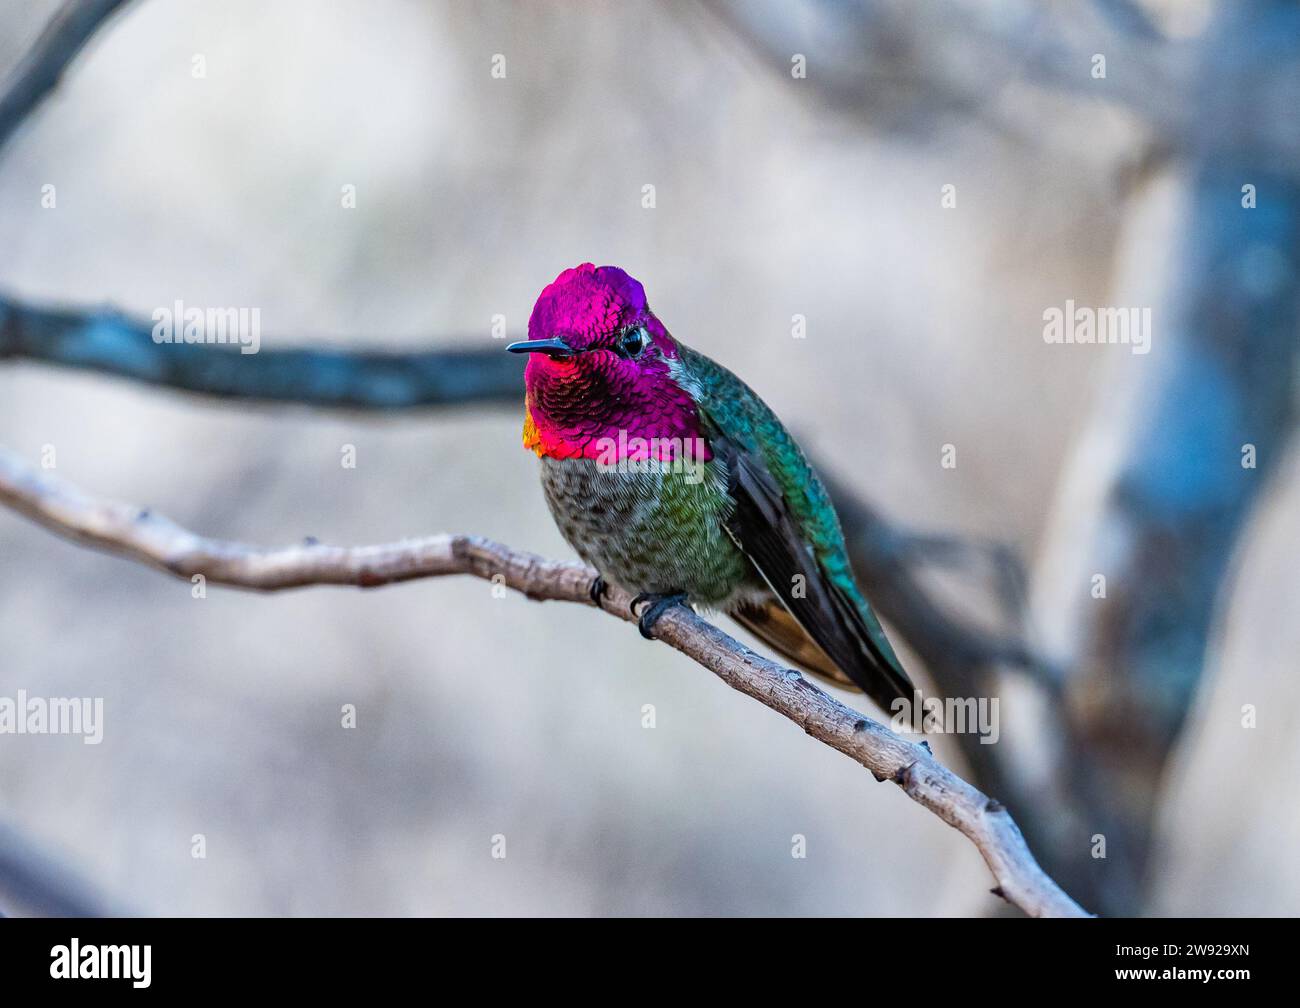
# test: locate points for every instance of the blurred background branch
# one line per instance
(38, 75)
(34, 883)
(107, 342)
(909, 67)
(898, 65)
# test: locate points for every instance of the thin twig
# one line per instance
(152, 539)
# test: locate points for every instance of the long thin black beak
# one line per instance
(553, 347)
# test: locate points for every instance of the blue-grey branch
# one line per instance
(43, 66)
(110, 343)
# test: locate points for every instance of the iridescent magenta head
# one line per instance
(601, 367)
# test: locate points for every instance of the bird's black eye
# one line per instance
(633, 341)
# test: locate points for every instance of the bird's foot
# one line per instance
(598, 590)
(657, 603)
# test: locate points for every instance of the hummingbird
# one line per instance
(675, 481)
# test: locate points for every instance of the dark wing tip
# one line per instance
(763, 527)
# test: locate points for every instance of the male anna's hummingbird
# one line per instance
(674, 480)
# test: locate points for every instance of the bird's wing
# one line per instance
(783, 520)
(765, 530)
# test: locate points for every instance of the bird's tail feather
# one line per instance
(772, 623)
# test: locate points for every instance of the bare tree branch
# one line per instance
(43, 66)
(110, 343)
(154, 540)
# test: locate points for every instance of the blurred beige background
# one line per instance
(477, 715)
